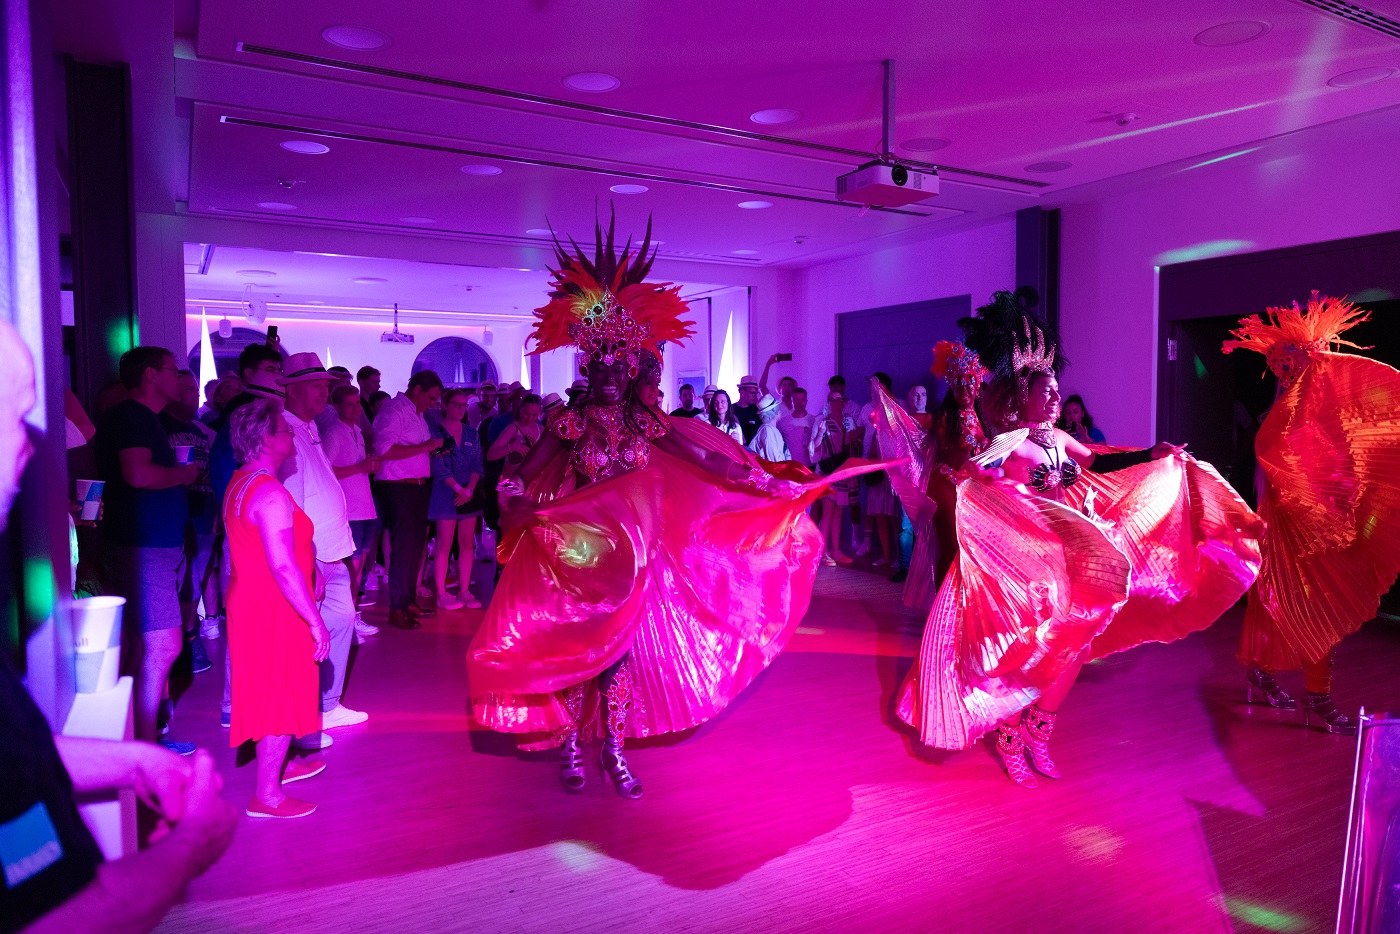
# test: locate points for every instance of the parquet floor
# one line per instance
(803, 809)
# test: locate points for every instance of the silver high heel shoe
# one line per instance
(619, 700)
(1329, 718)
(1262, 688)
(1037, 725)
(1011, 745)
(571, 774)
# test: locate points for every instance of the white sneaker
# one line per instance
(367, 600)
(363, 628)
(342, 716)
(424, 593)
(467, 598)
(209, 628)
(864, 549)
(313, 741)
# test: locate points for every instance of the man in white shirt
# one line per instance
(403, 442)
(796, 425)
(310, 479)
(344, 444)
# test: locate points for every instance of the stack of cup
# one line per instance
(97, 639)
(90, 495)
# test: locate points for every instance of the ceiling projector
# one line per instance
(395, 336)
(886, 185)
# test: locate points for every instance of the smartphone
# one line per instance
(784, 357)
(271, 332)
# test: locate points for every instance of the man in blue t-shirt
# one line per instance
(145, 508)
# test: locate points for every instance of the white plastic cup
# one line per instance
(97, 642)
(184, 454)
(90, 495)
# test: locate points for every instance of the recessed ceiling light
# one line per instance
(306, 147)
(775, 116)
(755, 205)
(1236, 33)
(369, 280)
(594, 82)
(356, 38)
(256, 273)
(276, 206)
(1361, 76)
(416, 221)
(539, 232)
(479, 168)
(1051, 166)
(629, 189)
(315, 301)
(924, 144)
(745, 252)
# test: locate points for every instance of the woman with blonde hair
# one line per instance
(276, 637)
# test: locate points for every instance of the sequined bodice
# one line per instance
(607, 441)
(1048, 478)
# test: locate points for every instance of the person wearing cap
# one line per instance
(707, 395)
(688, 407)
(768, 442)
(549, 404)
(484, 408)
(577, 390)
(403, 441)
(310, 479)
(747, 410)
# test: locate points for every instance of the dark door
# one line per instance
(898, 340)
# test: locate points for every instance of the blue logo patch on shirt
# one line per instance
(28, 845)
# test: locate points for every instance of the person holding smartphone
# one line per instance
(1077, 423)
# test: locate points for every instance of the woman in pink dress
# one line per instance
(275, 634)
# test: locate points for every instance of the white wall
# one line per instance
(976, 261)
(1328, 183)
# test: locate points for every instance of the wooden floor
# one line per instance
(803, 809)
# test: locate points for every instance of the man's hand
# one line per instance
(1166, 449)
(372, 464)
(162, 781)
(189, 474)
(208, 823)
(432, 444)
(318, 584)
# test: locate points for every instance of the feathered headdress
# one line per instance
(953, 361)
(1012, 341)
(1291, 335)
(604, 308)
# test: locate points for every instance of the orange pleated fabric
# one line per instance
(698, 582)
(1034, 583)
(1330, 453)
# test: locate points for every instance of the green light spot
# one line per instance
(1262, 917)
(38, 588)
(1200, 366)
(1204, 250)
(121, 337)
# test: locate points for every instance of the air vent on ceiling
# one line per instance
(1359, 15)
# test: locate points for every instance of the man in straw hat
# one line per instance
(310, 479)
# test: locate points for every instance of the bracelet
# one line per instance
(756, 478)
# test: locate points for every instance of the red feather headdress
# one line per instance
(604, 308)
(953, 361)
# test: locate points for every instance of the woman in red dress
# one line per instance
(275, 634)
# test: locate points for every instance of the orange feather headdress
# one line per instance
(1291, 335)
(604, 308)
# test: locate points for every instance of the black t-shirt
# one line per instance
(200, 494)
(46, 851)
(688, 413)
(749, 420)
(141, 518)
